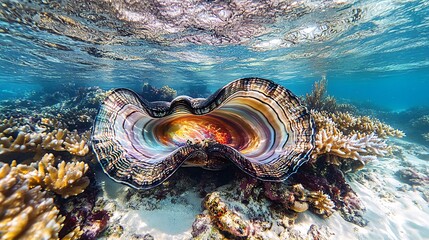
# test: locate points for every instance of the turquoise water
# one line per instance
(55, 55)
(370, 51)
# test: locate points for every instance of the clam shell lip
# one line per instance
(255, 123)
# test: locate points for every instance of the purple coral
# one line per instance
(79, 212)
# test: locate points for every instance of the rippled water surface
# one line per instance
(372, 51)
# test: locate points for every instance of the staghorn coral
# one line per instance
(350, 124)
(321, 203)
(357, 147)
(319, 100)
(22, 135)
(25, 213)
(75, 234)
(342, 136)
(63, 140)
(67, 179)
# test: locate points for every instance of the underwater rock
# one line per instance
(329, 179)
(142, 144)
(80, 211)
(226, 219)
(202, 228)
(412, 177)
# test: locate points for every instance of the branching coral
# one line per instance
(319, 100)
(17, 136)
(67, 179)
(357, 147)
(350, 124)
(321, 203)
(63, 140)
(25, 213)
(344, 136)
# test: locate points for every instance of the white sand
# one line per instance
(167, 221)
(392, 213)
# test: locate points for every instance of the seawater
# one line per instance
(374, 54)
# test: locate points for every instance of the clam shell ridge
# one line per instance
(258, 125)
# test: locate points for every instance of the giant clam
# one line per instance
(254, 123)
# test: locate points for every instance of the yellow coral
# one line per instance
(74, 234)
(357, 147)
(343, 136)
(348, 123)
(17, 136)
(25, 213)
(77, 144)
(321, 203)
(67, 179)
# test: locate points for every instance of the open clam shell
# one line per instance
(258, 125)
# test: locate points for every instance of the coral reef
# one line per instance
(31, 135)
(226, 219)
(321, 203)
(349, 124)
(357, 147)
(319, 100)
(349, 143)
(342, 136)
(151, 93)
(67, 179)
(265, 211)
(81, 212)
(325, 180)
(422, 123)
(57, 195)
(25, 212)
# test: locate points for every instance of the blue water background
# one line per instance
(388, 68)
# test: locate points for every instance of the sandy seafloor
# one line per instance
(394, 209)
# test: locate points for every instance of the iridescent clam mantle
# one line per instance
(258, 125)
